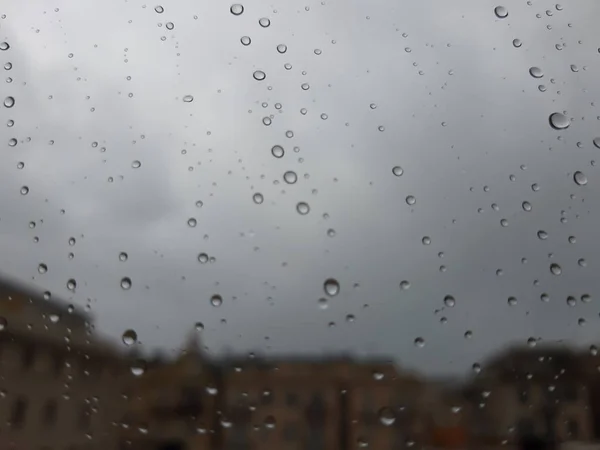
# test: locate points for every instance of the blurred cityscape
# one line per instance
(63, 388)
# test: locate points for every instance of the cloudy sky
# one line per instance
(440, 89)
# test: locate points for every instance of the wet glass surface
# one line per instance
(319, 224)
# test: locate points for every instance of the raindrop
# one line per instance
(192, 222)
(282, 48)
(259, 75)
(236, 9)
(574, 68)
(169, 25)
(532, 342)
(536, 72)
(71, 284)
(277, 151)
(476, 367)
(350, 318)
(541, 234)
(559, 121)
(580, 178)
(4, 46)
(398, 171)
(264, 22)
(8, 66)
(188, 98)
(411, 200)
(331, 232)
(555, 269)
(202, 258)
(245, 40)
(586, 298)
(129, 337)
(42, 268)
(290, 177)
(126, 283)
(420, 342)
(545, 297)
(3, 323)
(468, 334)
(47, 295)
(266, 121)
(199, 326)
(9, 102)
(386, 416)
(323, 303)
(517, 43)
(331, 287)
(270, 422)
(404, 285)
(593, 350)
(303, 208)
(582, 262)
(426, 240)
(449, 301)
(138, 367)
(305, 86)
(136, 164)
(572, 239)
(501, 12)
(216, 300)
(512, 301)
(258, 198)
(123, 256)
(526, 206)
(571, 301)
(12, 142)
(24, 190)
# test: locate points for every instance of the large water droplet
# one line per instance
(303, 208)
(129, 337)
(236, 9)
(536, 72)
(259, 75)
(386, 416)
(216, 300)
(559, 121)
(9, 102)
(501, 12)
(580, 178)
(571, 301)
(331, 287)
(449, 301)
(126, 283)
(555, 269)
(290, 177)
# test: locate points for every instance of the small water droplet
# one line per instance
(169, 25)
(397, 170)
(517, 43)
(264, 22)
(24, 190)
(323, 303)
(580, 178)
(512, 301)
(582, 262)
(192, 222)
(545, 297)
(571, 301)
(404, 285)
(71, 284)
(126, 283)
(541, 234)
(411, 200)
(159, 9)
(138, 367)
(559, 121)
(387, 416)
(129, 337)
(476, 367)
(526, 206)
(42, 268)
(136, 164)
(282, 48)
(468, 334)
(236, 9)
(216, 300)
(202, 258)
(245, 40)
(555, 269)
(123, 256)
(419, 342)
(9, 102)
(4, 46)
(3, 323)
(532, 342)
(188, 98)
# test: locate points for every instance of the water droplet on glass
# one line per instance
(138, 367)
(245, 40)
(545, 297)
(555, 269)
(411, 200)
(123, 256)
(258, 198)
(526, 206)
(512, 301)
(202, 258)
(420, 342)
(517, 43)
(24, 190)
(571, 301)
(501, 12)
(216, 300)
(449, 301)
(468, 334)
(3, 323)
(42, 268)
(199, 326)
(159, 9)
(259, 75)
(426, 240)
(192, 222)
(559, 121)
(476, 367)
(586, 298)
(582, 262)
(404, 285)
(277, 151)
(71, 284)
(169, 25)
(323, 303)
(386, 416)
(4, 46)
(264, 22)
(290, 177)
(532, 342)
(303, 208)
(331, 232)
(125, 283)
(580, 178)
(350, 318)
(12, 142)
(129, 337)
(541, 234)
(9, 102)
(331, 287)
(136, 164)
(282, 48)
(188, 98)
(536, 72)
(397, 170)
(236, 9)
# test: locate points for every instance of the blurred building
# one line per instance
(523, 393)
(59, 387)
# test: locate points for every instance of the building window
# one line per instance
(572, 429)
(291, 399)
(49, 412)
(18, 413)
